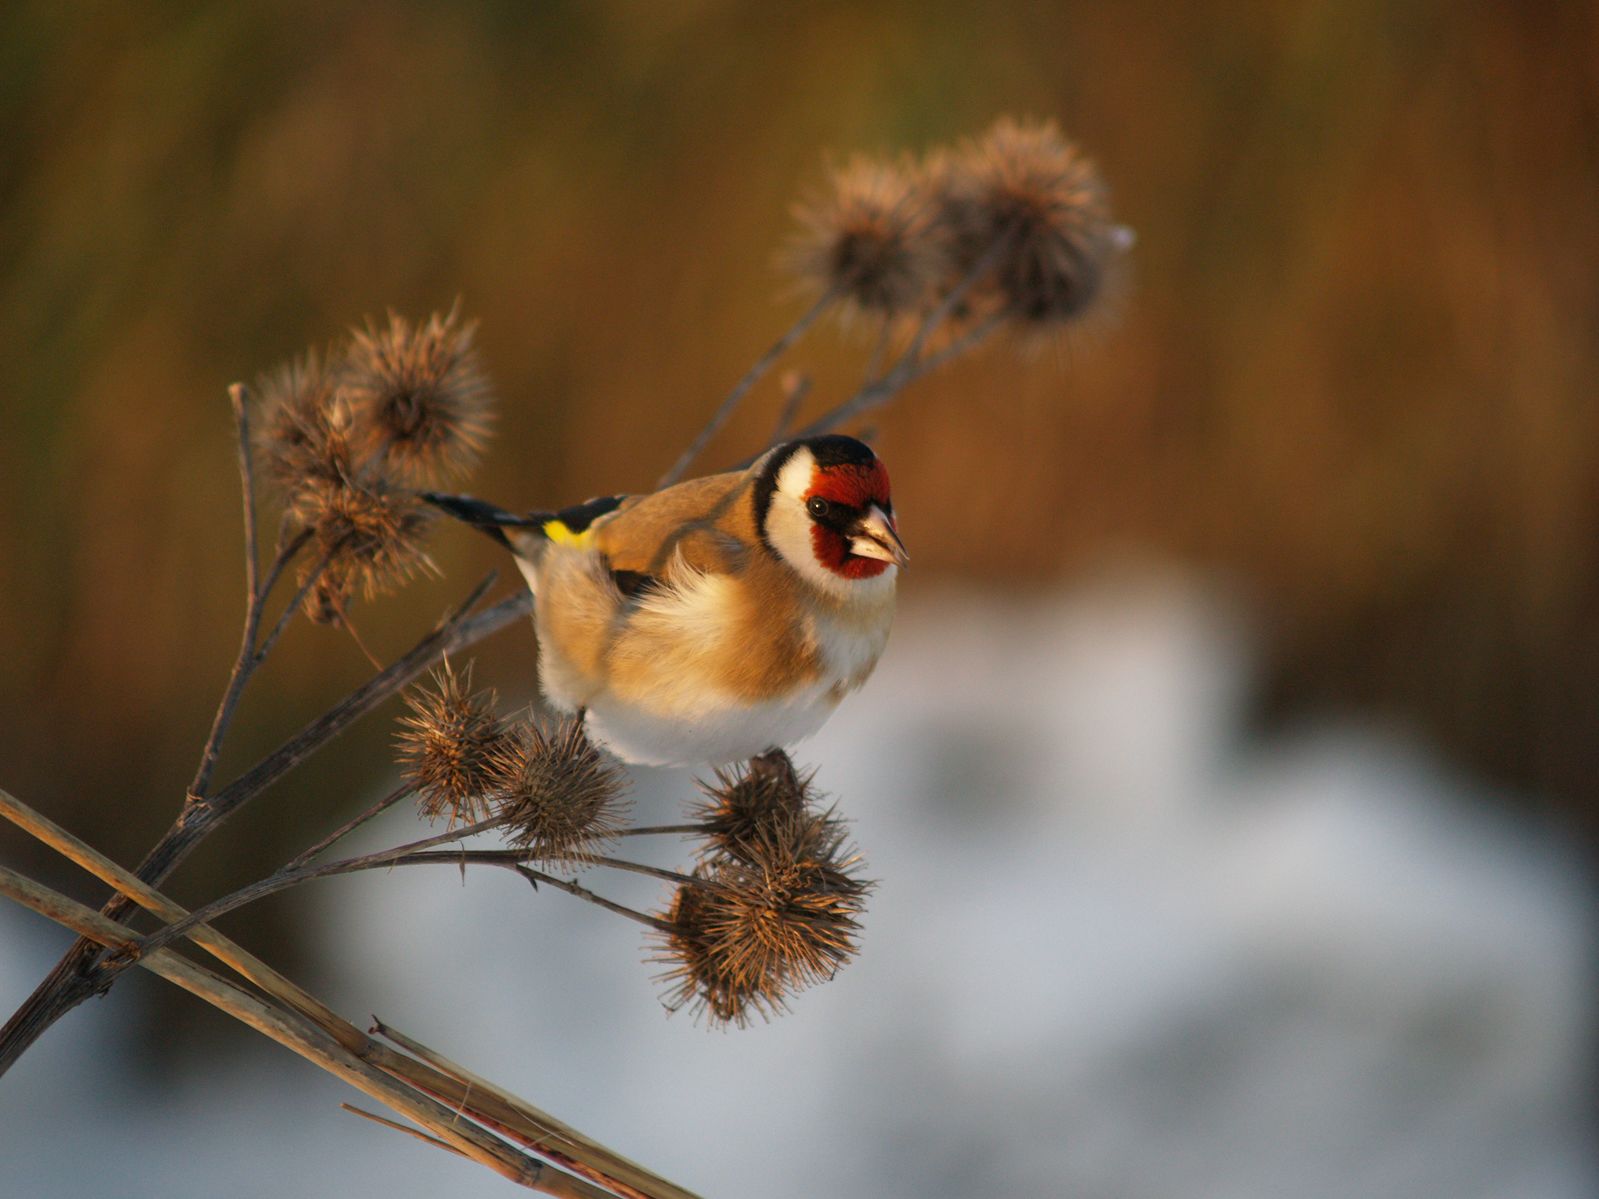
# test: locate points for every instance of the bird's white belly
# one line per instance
(712, 734)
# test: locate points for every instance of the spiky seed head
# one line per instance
(422, 402)
(303, 435)
(871, 236)
(450, 746)
(696, 976)
(743, 801)
(1025, 185)
(366, 536)
(561, 798)
(791, 903)
(747, 933)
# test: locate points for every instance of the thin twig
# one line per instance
(502, 857)
(796, 386)
(416, 853)
(239, 398)
(287, 614)
(571, 1148)
(964, 344)
(147, 897)
(289, 547)
(885, 334)
(741, 388)
(349, 826)
(282, 880)
(355, 636)
(244, 662)
(455, 632)
(875, 395)
(671, 876)
(75, 977)
(539, 878)
(244, 665)
(398, 1127)
(651, 830)
(910, 365)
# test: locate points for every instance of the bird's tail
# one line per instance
(526, 534)
(488, 519)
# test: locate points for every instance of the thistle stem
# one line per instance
(77, 975)
(239, 398)
(294, 1030)
(414, 853)
(282, 880)
(740, 389)
(349, 826)
(287, 614)
(910, 365)
(539, 878)
(247, 659)
(795, 388)
(652, 830)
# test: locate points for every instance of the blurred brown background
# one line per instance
(1354, 369)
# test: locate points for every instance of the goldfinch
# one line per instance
(716, 619)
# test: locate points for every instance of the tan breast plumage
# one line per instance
(730, 654)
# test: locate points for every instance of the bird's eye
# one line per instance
(817, 506)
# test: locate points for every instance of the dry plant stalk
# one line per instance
(1009, 230)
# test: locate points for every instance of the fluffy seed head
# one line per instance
(422, 403)
(450, 747)
(1025, 185)
(871, 237)
(561, 797)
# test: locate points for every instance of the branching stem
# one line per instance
(349, 826)
(910, 365)
(248, 659)
(77, 976)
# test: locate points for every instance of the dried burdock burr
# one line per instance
(344, 437)
(422, 403)
(561, 798)
(696, 976)
(304, 434)
(788, 910)
(451, 747)
(1024, 187)
(871, 238)
(369, 533)
(750, 931)
(744, 800)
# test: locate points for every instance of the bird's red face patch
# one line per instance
(855, 487)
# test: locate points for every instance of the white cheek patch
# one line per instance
(788, 525)
(794, 480)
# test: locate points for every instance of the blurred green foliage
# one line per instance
(1355, 367)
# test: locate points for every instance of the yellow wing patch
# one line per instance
(560, 533)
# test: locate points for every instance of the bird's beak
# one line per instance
(874, 536)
